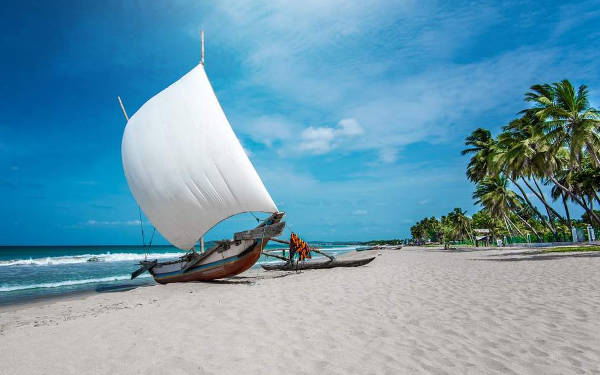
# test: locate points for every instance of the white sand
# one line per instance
(410, 311)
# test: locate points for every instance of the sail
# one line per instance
(184, 165)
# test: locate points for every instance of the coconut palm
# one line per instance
(569, 119)
(569, 123)
(493, 194)
(480, 143)
(523, 152)
(461, 223)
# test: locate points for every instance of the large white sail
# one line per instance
(184, 165)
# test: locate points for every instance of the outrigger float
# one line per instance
(290, 264)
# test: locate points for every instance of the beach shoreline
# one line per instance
(413, 310)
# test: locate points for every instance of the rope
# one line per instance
(257, 219)
(142, 227)
(152, 237)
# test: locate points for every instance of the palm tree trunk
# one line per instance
(514, 226)
(564, 200)
(590, 213)
(543, 200)
(534, 208)
(529, 226)
(592, 152)
(548, 207)
(508, 229)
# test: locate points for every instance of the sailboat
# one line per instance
(188, 172)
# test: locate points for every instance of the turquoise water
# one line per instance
(31, 272)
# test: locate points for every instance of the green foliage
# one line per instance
(455, 226)
(570, 249)
(585, 218)
(556, 141)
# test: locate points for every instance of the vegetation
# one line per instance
(571, 249)
(455, 226)
(554, 142)
(383, 242)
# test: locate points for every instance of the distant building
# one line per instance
(482, 235)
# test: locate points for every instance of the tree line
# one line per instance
(554, 142)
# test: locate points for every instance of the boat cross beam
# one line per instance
(268, 231)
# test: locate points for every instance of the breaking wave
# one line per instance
(10, 288)
(86, 258)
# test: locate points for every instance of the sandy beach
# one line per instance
(410, 311)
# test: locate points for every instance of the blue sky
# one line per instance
(354, 113)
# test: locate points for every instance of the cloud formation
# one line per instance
(320, 140)
(395, 67)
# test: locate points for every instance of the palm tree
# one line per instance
(523, 152)
(480, 143)
(570, 121)
(461, 223)
(493, 193)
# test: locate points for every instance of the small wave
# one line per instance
(85, 258)
(339, 248)
(10, 288)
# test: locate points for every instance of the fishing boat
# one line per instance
(188, 172)
(316, 264)
(305, 262)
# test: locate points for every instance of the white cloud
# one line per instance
(270, 129)
(359, 212)
(388, 154)
(402, 84)
(317, 140)
(320, 140)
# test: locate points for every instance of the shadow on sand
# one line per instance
(113, 288)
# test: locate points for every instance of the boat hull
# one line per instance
(206, 271)
(286, 266)
(227, 259)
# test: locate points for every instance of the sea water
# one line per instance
(32, 272)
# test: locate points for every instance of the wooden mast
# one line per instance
(202, 42)
(123, 108)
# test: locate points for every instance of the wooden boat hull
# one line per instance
(309, 265)
(227, 259)
(226, 267)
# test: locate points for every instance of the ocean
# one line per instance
(35, 272)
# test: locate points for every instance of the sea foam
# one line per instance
(85, 258)
(10, 288)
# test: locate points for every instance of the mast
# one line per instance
(202, 42)
(139, 208)
(123, 108)
(162, 160)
